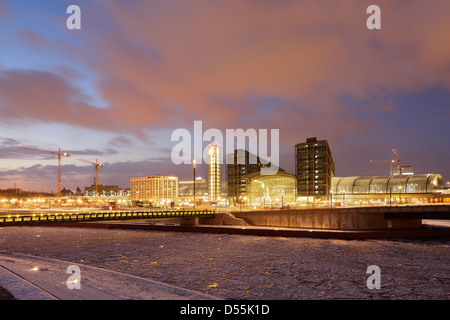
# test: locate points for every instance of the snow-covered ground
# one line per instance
(244, 267)
(29, 277)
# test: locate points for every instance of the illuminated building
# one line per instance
(160, 190)
(186, 191)
(186, 187)
(240, 164)
(404, 169)
(314, 169)
(104, 190)
(214, 171)
(277, 190)
(385, 190)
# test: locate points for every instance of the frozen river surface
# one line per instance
(249, 267)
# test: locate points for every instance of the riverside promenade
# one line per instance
(28, 277)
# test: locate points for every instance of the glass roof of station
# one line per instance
(414, 183)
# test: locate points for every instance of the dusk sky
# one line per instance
(116, 89)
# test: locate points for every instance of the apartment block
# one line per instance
(314, 169)
(156, 189)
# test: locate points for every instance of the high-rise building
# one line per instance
(314, 169)
(214, 171)
(239, 164)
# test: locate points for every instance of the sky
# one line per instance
(116, 89)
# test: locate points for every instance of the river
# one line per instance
(250, 267)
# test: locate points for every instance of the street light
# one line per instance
(331, 199)
(390, 197)
(400, 188)
(343, 191)
(193, 164)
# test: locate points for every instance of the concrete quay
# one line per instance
(423, 233)
(347, 218)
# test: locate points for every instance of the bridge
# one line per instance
(343, 218)
(40, 218)
(337, 223)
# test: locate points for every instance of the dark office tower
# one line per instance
(239, 164)
(314, 169)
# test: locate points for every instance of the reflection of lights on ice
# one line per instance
(35, 269)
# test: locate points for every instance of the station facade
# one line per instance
(387, 190)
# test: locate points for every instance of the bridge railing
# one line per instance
(44, 218)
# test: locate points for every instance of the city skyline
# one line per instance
(117, 88)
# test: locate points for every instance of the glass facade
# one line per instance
(214, 171)
(270, 190)
(240, 164)
(415, 183)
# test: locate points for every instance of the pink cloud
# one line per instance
(164, 64)
(31, 37)
(5, 10)
(46, 97)
(170, 63)
(230, 49)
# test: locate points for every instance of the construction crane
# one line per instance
(390, 161)
(96, 165)
(59, 154)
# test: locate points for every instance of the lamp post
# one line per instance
(331, 199)
(343, 191)
(390, 197)
(193, 164)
